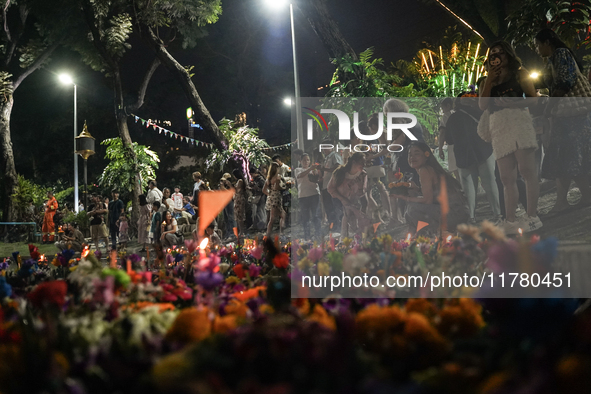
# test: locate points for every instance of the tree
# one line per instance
(487, 18)
(121, 173)
(569, 19)
(109, 24)
(25, 45)
(244, 145)
(326, 28)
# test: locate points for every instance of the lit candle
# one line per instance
(408, 238)
(448, 239)
(520, 231)
(202, 247)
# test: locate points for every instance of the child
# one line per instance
(214, 238)
(177, 199)
(425, 207)
(123, 232)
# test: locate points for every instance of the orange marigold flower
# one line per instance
(235, 307)
(319, 315)
(191, 325)
(375, 318)
(250, 293)
(223, 324)
(462, 317)
(419, 329)
(420, 305)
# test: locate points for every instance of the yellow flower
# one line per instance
(347, 242)
(232, 280)
(323, 269)
(304, 263)
(377, 319)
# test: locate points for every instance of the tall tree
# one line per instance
(25, 45)
(326, 28)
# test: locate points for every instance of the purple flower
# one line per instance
(209, 280)
(254, 270)
(169, 259)
(178, 257)
(134, 258)
(98, 254)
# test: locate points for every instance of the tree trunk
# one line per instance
(182, 75)
(326, 28)
(121, 118)
(10, 176)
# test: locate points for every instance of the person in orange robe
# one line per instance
(48, 228)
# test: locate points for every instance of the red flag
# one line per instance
(211, 203)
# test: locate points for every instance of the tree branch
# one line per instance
(24, 12)
(96, 36)
(6, 28)
(36, 64)
(144, 86)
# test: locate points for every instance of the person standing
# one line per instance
(143, 222)
(308, 196)
(349, 184)
(229, 217)
(511, 131)
(332, 206)
(258, 201)
(446, 110)
(274, 204)
(240, 206)
(116, 208)
(283, 168)
(98, 227)
(154, 194)
(474, 157)
(568, 156)
(48, 228)
(196, 187)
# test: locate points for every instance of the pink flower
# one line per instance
(315, 254)
(254, 271)
(169, 297)
(257, 253)
(191, 245)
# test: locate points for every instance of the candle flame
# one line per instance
(448, 239)
(204, 243)
(408, 238)
(520, 231)
(85, 252)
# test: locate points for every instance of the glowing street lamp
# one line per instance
(67, 80)
(287, 101)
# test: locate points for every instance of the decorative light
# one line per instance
(534, 75)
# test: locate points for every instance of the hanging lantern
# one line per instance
(85, 143)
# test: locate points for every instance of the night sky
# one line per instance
(43, 112)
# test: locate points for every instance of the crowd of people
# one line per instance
(491, 138)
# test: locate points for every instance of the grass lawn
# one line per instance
(6, 249)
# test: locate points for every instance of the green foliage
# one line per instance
(26, 191)
(121, 170)
(242, 141)
(569, 19)
(81, 219)
(63, 195)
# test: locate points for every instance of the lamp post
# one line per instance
(85, 148)
(67, 80)
(300, 130)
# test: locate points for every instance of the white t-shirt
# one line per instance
(331, 160)
(178, 200)
(154, 195)
(305, 187)
(283, 169)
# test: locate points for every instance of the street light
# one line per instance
(287, 101)
(85, 148)
(67, 80)
(300, 132)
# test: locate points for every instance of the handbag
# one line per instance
(254, 199)
(577, 102)
(375, 172)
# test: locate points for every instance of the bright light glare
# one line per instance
(66, 79)
(287, 101)
(534, 75)
(276, 4)
(203, 243)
